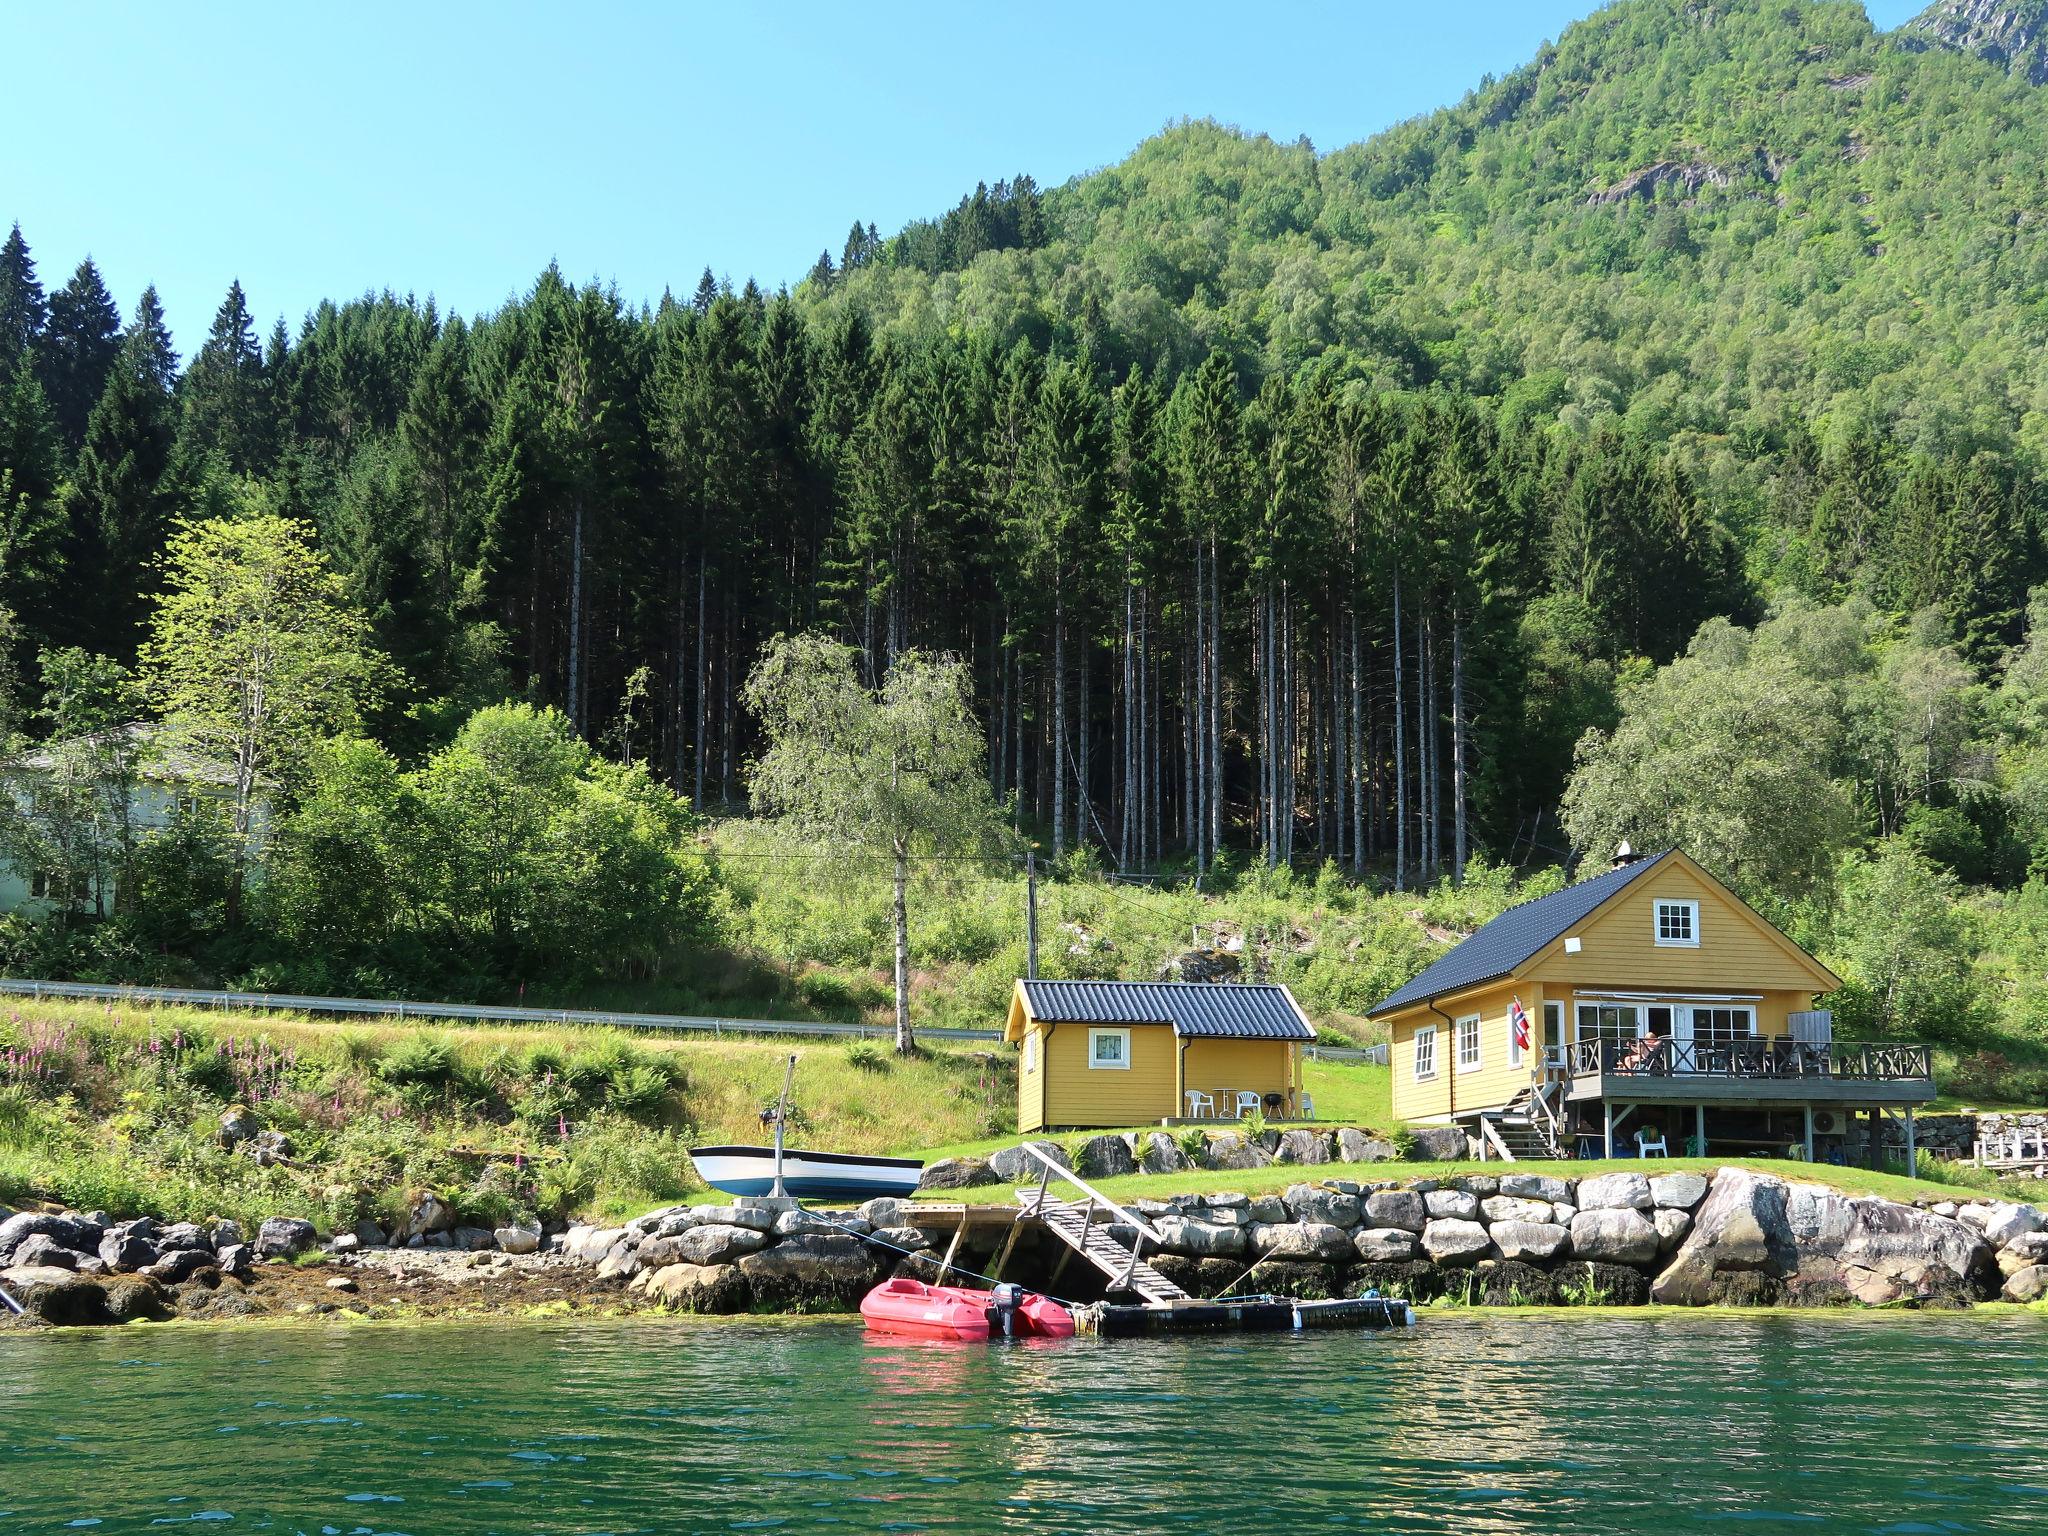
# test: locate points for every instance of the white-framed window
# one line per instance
(1425, 1052)
(1678, 922)
(1468, 1043)
(1031, 1051)
(1109, 1050)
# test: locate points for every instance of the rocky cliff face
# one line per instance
(2010, 33)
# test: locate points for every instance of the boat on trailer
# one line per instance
(806, 1175)
(789, 1172)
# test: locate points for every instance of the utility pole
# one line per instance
(1030, 914)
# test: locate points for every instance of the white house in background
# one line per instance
(166, 779)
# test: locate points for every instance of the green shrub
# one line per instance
(422, 1061)
(866, 1056)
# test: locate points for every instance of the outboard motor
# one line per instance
(1004, 1300)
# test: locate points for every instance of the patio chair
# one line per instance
(1248, 1103)
(1200, 1105)
(1308, 1106)
(1651, 1144)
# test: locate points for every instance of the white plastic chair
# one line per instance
(1651, 1144)
(1308, 1106)
(1200, 1105)
(1247, 1102)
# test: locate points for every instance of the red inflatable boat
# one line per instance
(955, 1312)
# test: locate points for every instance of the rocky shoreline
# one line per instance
(1734, 1237)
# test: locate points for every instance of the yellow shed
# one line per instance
(1117, 1053)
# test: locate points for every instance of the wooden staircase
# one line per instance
(1084, 1226)
(1526, 1130)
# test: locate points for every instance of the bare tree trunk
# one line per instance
(1084, 798)
(1400, 756)
(1198, 818)
(1059, 720)
(1215, 706)
(576, 620)
(1130, 744)
(1358, 789)
(1458, 745)
(906, 1042)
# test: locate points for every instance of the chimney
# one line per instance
(1625, 855)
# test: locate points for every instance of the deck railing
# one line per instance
(1662, 1056)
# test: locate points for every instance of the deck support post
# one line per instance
(1607, 1115)
(1009, 1243)
(1912, 1147)
(946, 1264)
(1809, 1131)
(1699, 1126)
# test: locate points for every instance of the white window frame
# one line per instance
(1692, 923)
(1095, 1061)
(1470, 1030)
(1425, 1035)
(1031, 1051)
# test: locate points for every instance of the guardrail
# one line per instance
(1374, 1055)
(394, 1008)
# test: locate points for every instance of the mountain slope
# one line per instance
(2008, 33)
(1715, 218)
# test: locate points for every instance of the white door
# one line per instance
(1681, 1039)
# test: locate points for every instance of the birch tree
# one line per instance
(254, 655)
(892, 773)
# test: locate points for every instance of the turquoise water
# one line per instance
(1470, 1423)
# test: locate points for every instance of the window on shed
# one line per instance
(1109, 1049)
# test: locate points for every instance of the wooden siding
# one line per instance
(1080, 1095)
(1493, 1082)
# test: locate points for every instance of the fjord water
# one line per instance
(1471, 1422)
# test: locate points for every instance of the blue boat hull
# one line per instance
(839, 1176)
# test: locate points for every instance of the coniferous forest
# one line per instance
(1513, 480)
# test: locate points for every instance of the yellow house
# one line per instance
(1113, 1053)
(1648, 1003)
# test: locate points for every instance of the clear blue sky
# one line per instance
(454, 148)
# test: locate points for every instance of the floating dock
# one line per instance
(1247, 1314)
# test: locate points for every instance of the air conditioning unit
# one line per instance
(1827, 1122)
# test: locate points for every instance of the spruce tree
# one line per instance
(706, 294)
(80, 342)
(223, 393)
(22, 310)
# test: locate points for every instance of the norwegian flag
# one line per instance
(1518, 1021)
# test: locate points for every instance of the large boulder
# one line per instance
(182, 1236)
(1534, 1242)
(1439, 1143)
(2004, 1222)
(957, 1173)
(1402, 1208)
(1386, 1245)
(1454, 1242)
(1303, 1146)
(1199, 1239)
(1229, 1151)
(715, 1243)
(40, 1250)
(1303, 1241)
(716, 1288)
(126, 1252)
(1499, 1208)
(1355, 1146)
(61, 1297)
(1819, 1245)
(135, 1299)
(181, 1264)
(1456, 1204)
(1313, 1202)
(281, 1237)
(237, 1260)
(1536, 1186)
(1615, 1192)
(1160, 1153)
(756, 1218)
(587, 1245)
(2028, 1285)
(1614, 1235)
(1014, 1166)
(1105, 1157)
(1677, 1191)
(1671, 1228)
(518, 1239)
(77, 1233)
(811, 1274)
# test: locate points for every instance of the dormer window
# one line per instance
(1678, 922)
